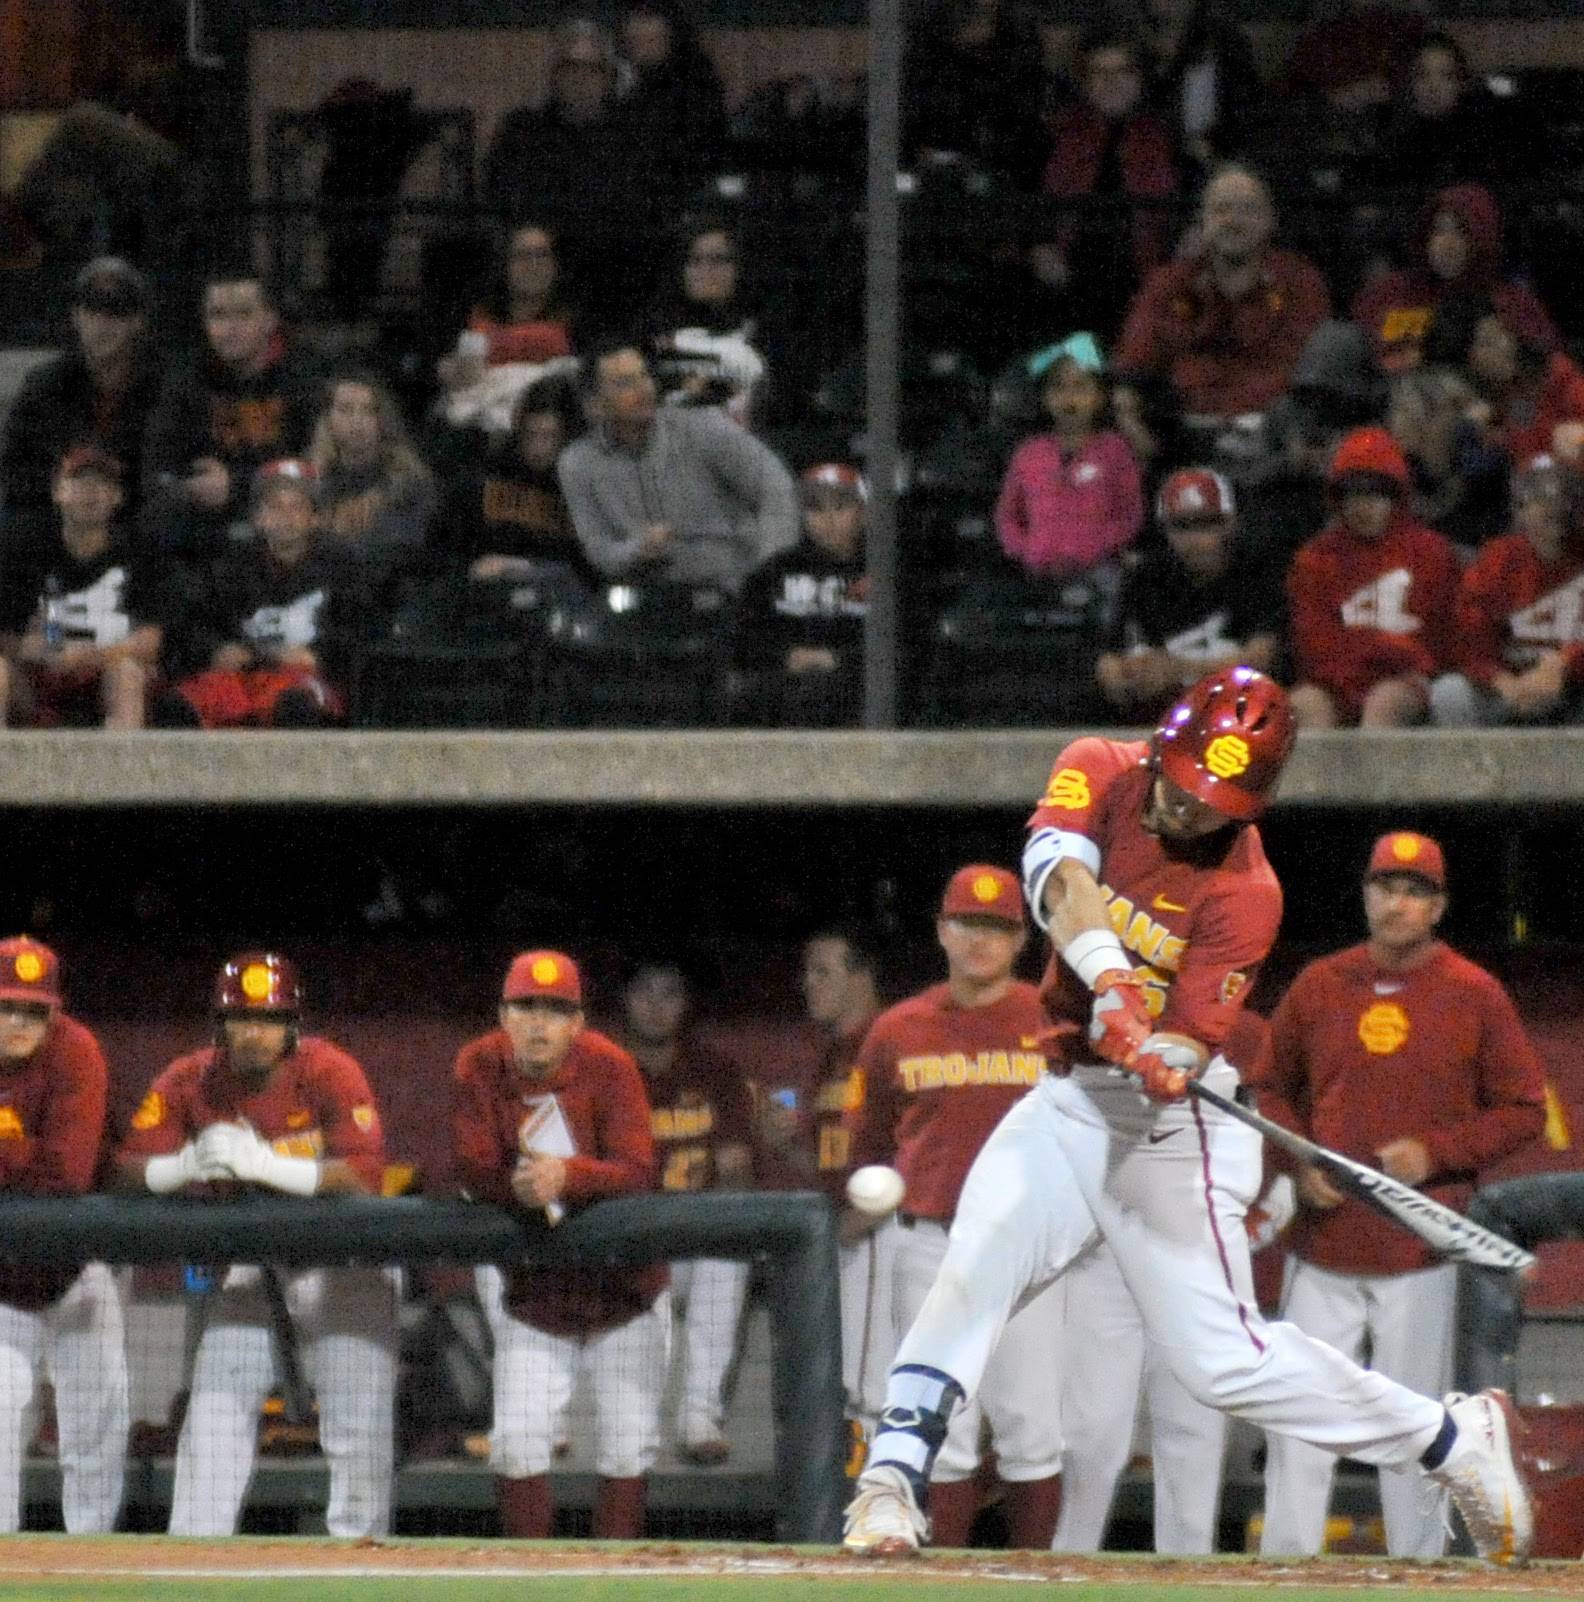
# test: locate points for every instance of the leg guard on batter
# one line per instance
(919, 1403)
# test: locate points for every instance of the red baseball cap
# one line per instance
(1403, 851)
(982, 891)
(543, 976)
(1195, 495)
(29, 971)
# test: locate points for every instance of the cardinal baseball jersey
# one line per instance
(1198, 917)
(52, 1116)
(1359, 1055)
(937, 1077)
(601, 1095)
(837, 1091)
(697, 1108)
(316, 1103)
(1513, 606)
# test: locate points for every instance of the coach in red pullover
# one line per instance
(1371, 597)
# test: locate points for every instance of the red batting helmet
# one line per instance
(1226, 741)
(258, 981)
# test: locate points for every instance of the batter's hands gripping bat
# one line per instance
(545, 1133)
(1445, 1232)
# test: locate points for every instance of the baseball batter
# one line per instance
(1147, 849)
(268, 1106)
(938, 1072)
(702, 1121)
(1401, 1054)
(65, 1321)
(550, 1114)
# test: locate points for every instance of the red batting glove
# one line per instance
(1158, 1079)
(1119, 1022)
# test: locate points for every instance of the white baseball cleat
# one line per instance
(1483, 1477)
(883, 1519)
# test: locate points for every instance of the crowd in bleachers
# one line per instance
(1199, 364)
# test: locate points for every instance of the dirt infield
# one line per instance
(26, 1557)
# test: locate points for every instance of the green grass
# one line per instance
(650, 1588)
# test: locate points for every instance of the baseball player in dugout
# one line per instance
(62, 1320)
(702, 1121)
(1144, 866)
(550, 1114)
(937, 1073)
(267, 1107)
(804, 1144)
(1402, 1054)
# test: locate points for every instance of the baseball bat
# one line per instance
(294, 1388)
(1445, 1232)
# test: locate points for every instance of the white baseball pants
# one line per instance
(80, 1341)
(868, 1321)
(345, 1319)
(1408, 1320)
(1087, 1155)
(711, 1291)
(1018, 1393)
(1108, 1364)
(535, 1373)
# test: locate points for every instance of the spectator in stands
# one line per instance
(1443, 129)
(100, 392)
(1226, 322)
(701, 1118)
(509, 512)
(571, 163)
(804, 1143)
(1460, 478)
(1520, 623)
(1112, 159)
(1530, 388)
(549, 1115)
(974, 87)
(525, 317)
(1371, 597)
(705, 329)
(248, 398)
(63, 1319)
(277, 621)
(376, 496)
(83, 612)
(677, 495)
(1205, 601)
(800, 618)
(1456, 272)
(1203, 79)
(675, 104)
(1072, 498)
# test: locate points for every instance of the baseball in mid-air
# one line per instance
(875, 1190)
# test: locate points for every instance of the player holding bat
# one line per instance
(1403, 1055)
(549, 1114)
(1144, 866)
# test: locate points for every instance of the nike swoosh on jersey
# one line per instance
(1156, 1136)
(1161, 904)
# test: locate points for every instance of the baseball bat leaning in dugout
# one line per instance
(1445, 1232)
(283, 1337)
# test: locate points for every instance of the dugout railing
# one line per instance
(792, 1235)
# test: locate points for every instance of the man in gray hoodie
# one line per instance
(677, 495)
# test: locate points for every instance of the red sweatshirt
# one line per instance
(1513, 606)
(1366, 610)
(1360, 1055)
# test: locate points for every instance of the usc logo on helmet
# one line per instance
(1227, 756)
(1068, 789)
(1383, 1029)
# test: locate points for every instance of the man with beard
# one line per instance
(266, 1106)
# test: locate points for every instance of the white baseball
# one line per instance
(876, 1190)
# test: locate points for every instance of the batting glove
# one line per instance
(1165, 1066)
(1119, 1022)
(164, 1175)
(247, 1156)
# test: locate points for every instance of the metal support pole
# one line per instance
(882, 318)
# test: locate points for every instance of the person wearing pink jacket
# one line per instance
(1072, 497)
